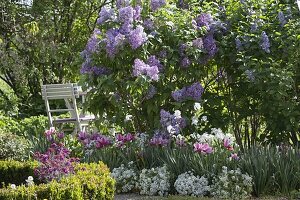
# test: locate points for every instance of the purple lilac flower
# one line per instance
(250, 74)
(204, 19)
(137, 37)
(182, 4)
(265, 43)
(148, 24)
(238, 44)
(99, 71)
(182, 49)
(156, 4)
(111, 48)
(122, 3)
(137, 12)
(92, 43)
(141, 68)
(165, 117)
(162, 54)
(281, 19)
(209, 44)
(185, 62)
(126, 28)
(195, 91)
(198, 43)
(104, 15)
(153, 61)
(179, 95)
(151, 92)
(172, 123)
(126, 14)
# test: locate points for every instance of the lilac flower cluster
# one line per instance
(148, 24)
(238, 44)
(94, 70)
(141, 68)
(265, 43)
(92, 43)
(93, 140)
(204, 19)
(104, 15)
(172, 124)
(55, 163)
(151, 92)
(210, 45)
(281, 19)
(194, 92)
(123, 139)
(137, 37)
(156, 4)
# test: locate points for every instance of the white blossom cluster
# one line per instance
(189, 184)
(216, 136)
(126, 178)
(231, 185)
(155, 181)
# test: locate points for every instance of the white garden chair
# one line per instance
(67, 92)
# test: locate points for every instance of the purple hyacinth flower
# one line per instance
(137, 37)
(265, 43)
(126, 14)
(156, 4)
(209, 44)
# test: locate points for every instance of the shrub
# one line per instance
(91, 181)
(13, 147)
(155, 181)
(126, 178)
(15, 172)
(232, 185)
(189, 184)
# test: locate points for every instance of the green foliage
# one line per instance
(272, 169)
(15, 172)
(13, 147)
(91, 182)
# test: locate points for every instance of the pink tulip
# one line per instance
(227, 144)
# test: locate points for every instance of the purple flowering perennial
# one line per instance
(194, 92)
(148, 24)
(185, 62)
(210, 46)
(171, 122)
(137, 37)
(92, 43)
(104, 15)
(141, 68)
(126, 14)
(151, 92)
(137, 12)
(156, 4)
(153, 61)
(238, 44)
(198, 43)
(122, 3)
(281, 19)
(265, 43)
(204, 19)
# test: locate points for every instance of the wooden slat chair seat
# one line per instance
(67, 92)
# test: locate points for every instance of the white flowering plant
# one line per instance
(155, 181)
(126, 178)
(189, 184)
(232, 184)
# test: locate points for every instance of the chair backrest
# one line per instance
(69, 91)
